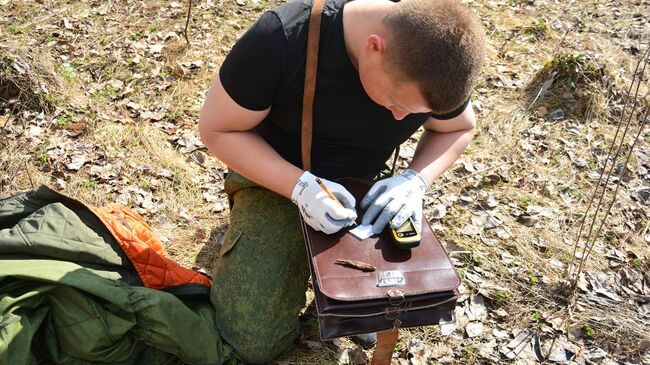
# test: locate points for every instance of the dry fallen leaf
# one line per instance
(76, 161)
(149, 115)
(474, 329)
(188, 141)
(156, 48)
(438, 211)
(477, 309)
(419, 353)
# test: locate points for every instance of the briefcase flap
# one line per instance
(422, 269)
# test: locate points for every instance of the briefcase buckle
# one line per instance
(396, 297)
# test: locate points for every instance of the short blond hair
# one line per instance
(439, 45)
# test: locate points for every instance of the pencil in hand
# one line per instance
(330, 194)
(328, 191)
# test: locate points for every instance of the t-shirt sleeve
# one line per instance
(452, 114)
(252, 71)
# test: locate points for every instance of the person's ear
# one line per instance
(375, 44)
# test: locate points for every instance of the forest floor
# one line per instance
(545, 218)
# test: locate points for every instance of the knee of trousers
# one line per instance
(264, 344)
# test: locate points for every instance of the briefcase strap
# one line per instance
(311, 70)
(386, 341)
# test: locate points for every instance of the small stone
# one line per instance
(477, 309)
(475, 278)
(34, 131)
(644, 346)
(559, 354)
(575, 333)
(466, 198)
(580, 162)
(76, 161)
(502, 313)
(185, 215)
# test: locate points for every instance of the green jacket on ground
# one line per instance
(69, 295)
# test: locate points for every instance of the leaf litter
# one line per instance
(510, 206)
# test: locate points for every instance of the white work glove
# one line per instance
(319, 210)
(396, 198)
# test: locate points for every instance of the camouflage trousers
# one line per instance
(260, 277)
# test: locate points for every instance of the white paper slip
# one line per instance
(362, 232)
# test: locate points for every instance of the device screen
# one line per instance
(406, 230)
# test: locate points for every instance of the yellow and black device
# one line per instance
(407, 235)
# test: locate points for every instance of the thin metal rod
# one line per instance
(611, 148)
(613, 164)
(618, 185)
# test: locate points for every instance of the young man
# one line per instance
(384, 70)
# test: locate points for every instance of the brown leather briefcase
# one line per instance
(414, 287)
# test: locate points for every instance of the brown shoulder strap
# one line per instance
(386, 341)
(310, 81)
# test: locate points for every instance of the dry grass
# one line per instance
(526, 50)
(27, 81)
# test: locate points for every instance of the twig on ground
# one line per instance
(187, 21)
(31, 182)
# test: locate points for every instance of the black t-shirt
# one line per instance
(352, 135)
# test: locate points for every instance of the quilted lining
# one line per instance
(144, 249)
(79, 244)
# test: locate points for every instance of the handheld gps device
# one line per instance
(407, 235)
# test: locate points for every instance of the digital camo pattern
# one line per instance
(261, 275)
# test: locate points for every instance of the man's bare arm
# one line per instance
(225, 129)
(441, 143)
